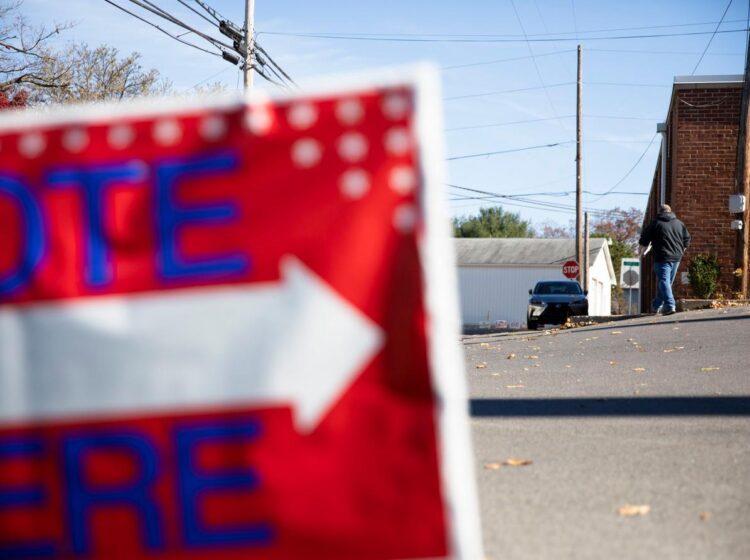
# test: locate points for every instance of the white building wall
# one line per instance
(492, 293)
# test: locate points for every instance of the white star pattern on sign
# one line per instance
(306, 153)
(350, 111)
(397, 141)
(395, 106)
(31, 145)
(75, 140)
(355, 183)
(405, 218)
(120, 136)
(302, 116)
(167, 132)
(403, 180)
(352, 147)
(212, 128)
(259, 119)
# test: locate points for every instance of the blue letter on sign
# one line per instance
(94, 181)
(138, 494)
(172, 216)
(194, 484)
(32, 241)
(23, 497)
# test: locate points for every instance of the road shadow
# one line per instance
(619, 406)
(677, 318)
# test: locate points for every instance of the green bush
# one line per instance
(703, 274)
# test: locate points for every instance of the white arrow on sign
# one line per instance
(295, 342)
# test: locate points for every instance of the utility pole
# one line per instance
(579, 169)
(249, 43)
(586, 251)
(742, 186)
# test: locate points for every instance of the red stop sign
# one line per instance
(570, 269)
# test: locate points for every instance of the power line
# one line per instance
(501, 36)
(487, 93)
(209, 20)
(533, 59)
(148, 6)
(712, 37)
(509, 123)
(175, 37)
(213, 13)
(636, 51)
(640, 158)
(499, 60)
(527, 148)
(274, 64)
(505, 40)
(526, 121)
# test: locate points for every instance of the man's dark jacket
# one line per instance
(669, 237)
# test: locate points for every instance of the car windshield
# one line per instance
(553, 288)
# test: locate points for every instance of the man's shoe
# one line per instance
(670, 311)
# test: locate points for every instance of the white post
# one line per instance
(249, 43)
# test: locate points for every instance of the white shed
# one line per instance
(495, 275)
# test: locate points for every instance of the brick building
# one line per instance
(699, 162)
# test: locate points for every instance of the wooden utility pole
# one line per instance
(585, 264)
(579, 169)
(249, 43)
(742, 186)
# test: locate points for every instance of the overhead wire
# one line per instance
(536, 66)
(201, 15)
(147, 5)
(712, 37)
(488, 93)
(402, 39)
(640, 158)
(210, 11)
(527, 148)
(499, 60)
(175, 37)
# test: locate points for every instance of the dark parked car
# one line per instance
(553, 301)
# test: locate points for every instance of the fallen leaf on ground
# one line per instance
(510, 356)
(484, 345)
(532, 357)
(482, 365)
(525, 369)
(616, 332)
(633, 510)
(639, 369)
(710, 368)
(612, 362)
(517, 462)
(705, 515)
(492, 466)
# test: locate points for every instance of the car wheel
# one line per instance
(532, 325)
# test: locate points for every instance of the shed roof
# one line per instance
(520, 251)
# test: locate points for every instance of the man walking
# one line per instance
(669, 238)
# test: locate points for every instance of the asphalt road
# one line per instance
(653, 411)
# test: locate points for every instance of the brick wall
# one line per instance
(703, 129)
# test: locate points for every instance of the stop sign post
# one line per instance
(228, 331)
(570, 269)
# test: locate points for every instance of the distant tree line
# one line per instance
(35, 73)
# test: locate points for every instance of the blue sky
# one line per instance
(470, 41)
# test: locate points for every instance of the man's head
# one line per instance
(664, 208)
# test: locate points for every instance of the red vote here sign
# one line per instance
(227, 330)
